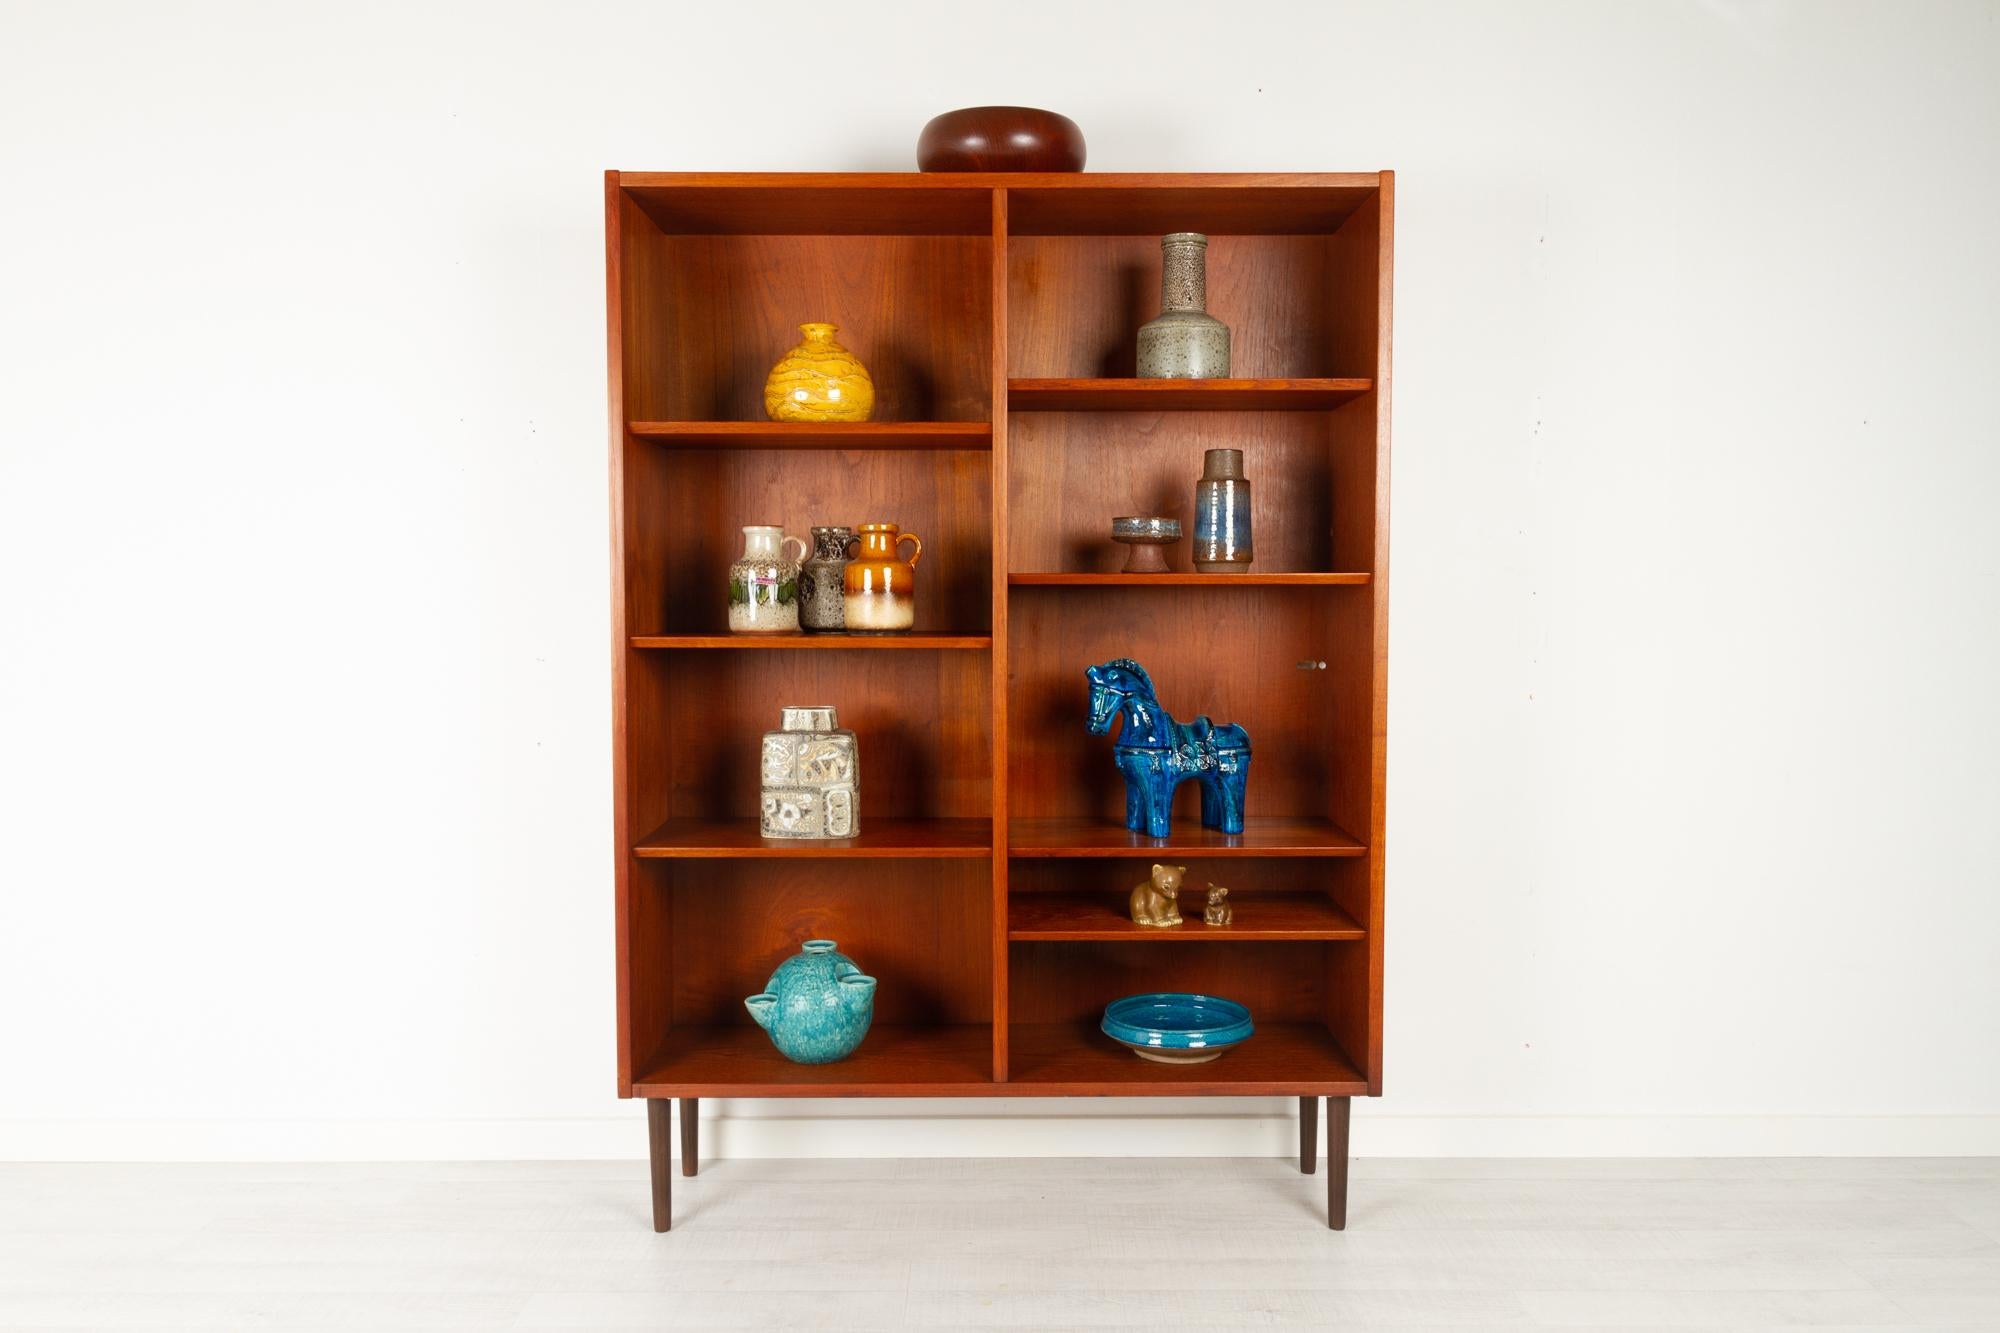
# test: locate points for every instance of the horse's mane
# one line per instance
(1133, 667)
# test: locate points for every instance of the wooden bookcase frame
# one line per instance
(997, 314)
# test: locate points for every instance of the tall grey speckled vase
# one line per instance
(1185, 342)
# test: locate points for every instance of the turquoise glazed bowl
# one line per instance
(1176, 1028)
(817, 1006)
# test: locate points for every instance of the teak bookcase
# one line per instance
(987, 888)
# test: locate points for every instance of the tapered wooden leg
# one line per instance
(1308, 1133)
(660, 1148)
(1336, 1162)
(690, 1134)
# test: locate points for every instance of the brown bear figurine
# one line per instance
(1218, 912)
(1157, 902)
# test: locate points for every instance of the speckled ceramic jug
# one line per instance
(819, 380)
(1185, 342)
(822, 587)
(817, 1006)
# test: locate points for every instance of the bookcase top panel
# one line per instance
(1039, 203)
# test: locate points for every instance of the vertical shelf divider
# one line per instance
(997, 657)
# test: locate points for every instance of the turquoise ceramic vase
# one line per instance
(817, 1006)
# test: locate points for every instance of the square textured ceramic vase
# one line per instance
(811, 772)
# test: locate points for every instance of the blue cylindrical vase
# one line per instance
(1222, 514)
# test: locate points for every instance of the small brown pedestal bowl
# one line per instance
(1145, 536)
(1000, 138)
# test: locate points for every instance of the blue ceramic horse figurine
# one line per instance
(1156, 754)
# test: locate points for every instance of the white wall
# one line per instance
(304, 778)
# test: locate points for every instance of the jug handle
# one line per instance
(804, 550)
(910, 537)
(852, 549)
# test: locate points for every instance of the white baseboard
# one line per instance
(1260, 1128)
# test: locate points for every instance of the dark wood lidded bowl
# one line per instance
(1000, 138)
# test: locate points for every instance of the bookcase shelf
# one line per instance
(897, 1060)
(1104, 916)
(1185, 579)
(818, 642)
(816, 435)
(1262, 835)
(882, 838)
(1287, 1059)
(998, 315)
(1135, 395)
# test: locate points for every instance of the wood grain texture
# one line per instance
(914, 309)
(697, 501)
(1104, 916)
(1338, 1111)
(1357, 270)
(1186, 579)
(887, 203)
(1074, 1059)
(920, 926)
(918, 718)
(801, 205)
(816, 643)
(1233, 206)
(1072, 980)
(1073, 472)
(1058, 770)
(880, 838)
(1353, 661)
(641, 326)
(646, 321)
(1002, 454)
(660, 1152)
(814, 435)
(1213, 395)
(892, 1061)
(997, 315)
(649, 706)
(1361, 261)
(1383, 215)
(650, 978)
(690, 1116)
(1262, 835)
(615, 205)
(1076, 303)
(1251, 875)
(1308, 1133)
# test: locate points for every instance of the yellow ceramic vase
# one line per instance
(819, 380)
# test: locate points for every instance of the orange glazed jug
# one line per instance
(880, 595)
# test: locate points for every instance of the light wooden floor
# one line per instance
(790, 1245)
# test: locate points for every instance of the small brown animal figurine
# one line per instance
(1157, 902)
(1218, 912)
